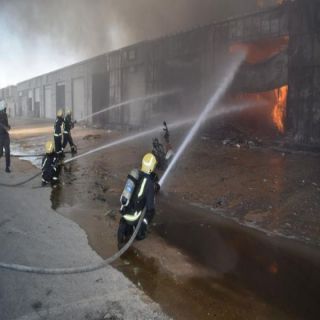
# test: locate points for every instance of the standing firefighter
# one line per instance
(68, 125)
(58, 134)
(50, 165)
(138, 195)
(4, 135)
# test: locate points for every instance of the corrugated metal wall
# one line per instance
(189, 61)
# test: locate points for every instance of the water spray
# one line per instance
(203, 115)
(127, 139)
(120, 104)
(174, 125)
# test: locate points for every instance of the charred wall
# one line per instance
(249, 32)
(303, 112)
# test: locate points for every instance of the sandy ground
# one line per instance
(276, 193)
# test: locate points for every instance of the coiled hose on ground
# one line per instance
(76, 270)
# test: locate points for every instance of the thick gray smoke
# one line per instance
(37, 36)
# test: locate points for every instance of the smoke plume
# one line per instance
(38, 36)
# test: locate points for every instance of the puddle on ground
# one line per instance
(251, 277)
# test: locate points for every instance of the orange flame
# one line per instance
(279, 109)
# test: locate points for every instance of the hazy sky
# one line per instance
(38, 36)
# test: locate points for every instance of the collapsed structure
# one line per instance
(282, 68)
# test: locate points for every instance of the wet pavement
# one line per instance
(32, 234)
(248, 275)
(218, 268)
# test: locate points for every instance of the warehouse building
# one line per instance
(283, 62)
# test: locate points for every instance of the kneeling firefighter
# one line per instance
(50, 165)
(137, 196)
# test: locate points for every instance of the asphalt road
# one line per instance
(31, 233)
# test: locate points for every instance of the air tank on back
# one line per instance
(129, 188)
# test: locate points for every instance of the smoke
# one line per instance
(38, 36)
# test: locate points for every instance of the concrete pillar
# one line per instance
(303, 110)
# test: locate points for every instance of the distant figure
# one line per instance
(58, 134)
(68, 126)
(50, 165)
(4, 135)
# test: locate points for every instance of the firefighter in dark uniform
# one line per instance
(50, 165)
(58, 126)
(148, 188)
(4, 135)
(68, 125)
(143, 197)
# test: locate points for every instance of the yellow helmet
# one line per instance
(149, 163)
(60, 113)
(49, 147)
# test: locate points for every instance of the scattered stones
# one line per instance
(100, 198)
(239, 142)
(115, 312)
(256, 217)
(92, 137)
(37, 305)
(221, 202)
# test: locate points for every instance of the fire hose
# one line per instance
(76, 270)
(21, 182)
(26, 155)
(27, 180)
(31, 155)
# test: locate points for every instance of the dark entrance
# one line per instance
(60, 96)
(100, 97)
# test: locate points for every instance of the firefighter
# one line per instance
(148, 188)
(68, 125)
(140, 196)
(4, 135)
(50, 165)
(58, 134)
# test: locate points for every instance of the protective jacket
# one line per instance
(58, 127)
(4, 125)
(67, 138)
(50, 168)
(68, 123)
(5, 138)
(58, 135)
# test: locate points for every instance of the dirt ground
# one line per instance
(276, 193)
